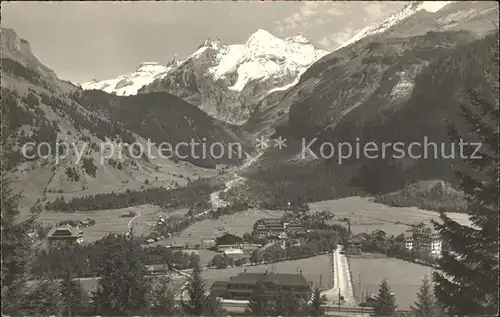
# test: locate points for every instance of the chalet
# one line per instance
(218, 288)
(408, 241)
(64, 236)
(298, 233)
(242, 285)
(268, 226)
(175, 246)
(379, 234)
(250, 247)
(290, 223)
(322, 234)
(354, 244)
(128, 214)
(84, 223)
(223, 247)
(233, 252)
(208, 243)
(228, 239)
(278, 239)
(428, 240)
(371, 299)
(157, 269)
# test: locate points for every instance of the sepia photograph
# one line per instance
(250, 158)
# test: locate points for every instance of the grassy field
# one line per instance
(404, 277)
(110, 221)
(314, 269)
(238, 224)
(367, 216)
(90, 284)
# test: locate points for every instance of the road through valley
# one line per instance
(341, 281)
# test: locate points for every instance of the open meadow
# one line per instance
(315, 269)
(404, 277)
(367, 216)
(111, 221)
(90, 284)
(237, 224)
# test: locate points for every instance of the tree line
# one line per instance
(198, 191)
(84, 260)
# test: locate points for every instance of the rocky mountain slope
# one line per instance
(129, 84)
(82, 126)
(384, 88)
(419, 17)
(229, 81)
(416, 18)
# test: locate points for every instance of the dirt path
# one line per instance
(132, 220)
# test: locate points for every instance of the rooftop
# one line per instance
(65, 232)
(276, 278)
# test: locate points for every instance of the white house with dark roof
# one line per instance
(64, 236)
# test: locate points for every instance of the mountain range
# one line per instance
(225, 81)
(39, 107)
(399, 81)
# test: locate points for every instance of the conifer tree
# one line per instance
(123, 286)
(196, 290)
(42, 298)
(316, 307)
(73, 296)
(425, 305)
(468, 284)
(213, 307)
(258, 305)
(163, 300)
(284, 304)
(16, 245)
(385, 303)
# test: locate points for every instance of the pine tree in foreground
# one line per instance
(123, 287)
(316, 307)
(385, 302)
(284, 304)
(213, 307)
(73, 296)
(425, 305)
(163, 300)
(21, 294)
(195, 306)
(258, 305)
(468, 284)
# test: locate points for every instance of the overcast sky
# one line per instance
(81, 41)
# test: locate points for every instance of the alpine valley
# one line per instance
(400, 80)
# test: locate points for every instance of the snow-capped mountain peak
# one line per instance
(130, 84)
(407, 11)
(150, 67)
(225, 80)
(262, 40)
(300, 39)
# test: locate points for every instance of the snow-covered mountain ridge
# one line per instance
(230, 82)
(225, 81)
(129, 84)
(407, 11)
(419, 17)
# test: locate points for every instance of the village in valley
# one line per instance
(293, 250)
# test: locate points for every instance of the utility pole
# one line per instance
(359, 279)
(362, 303)
(339, 299)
